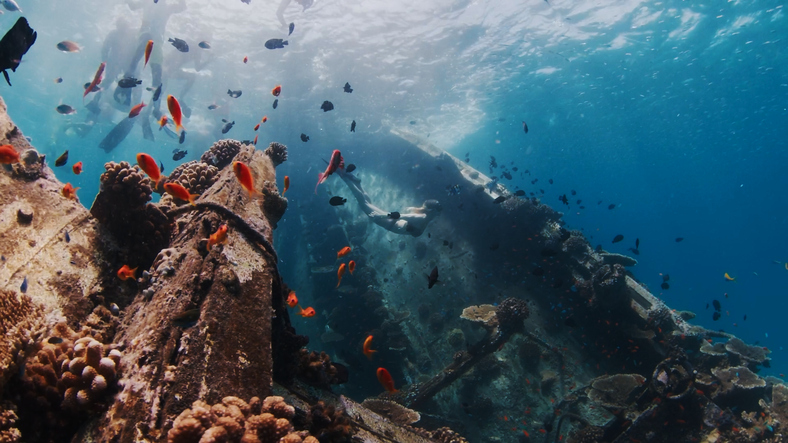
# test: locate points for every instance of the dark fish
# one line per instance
(182, 138)
(337, 201)
(65, 110)
(14, 44)
(542, 191)
(612, 206)
(665, 285)
(707, 306)
(161, 167)
(563, 199)
(394, 215)
(579, 201)
(350, 168)
(533, 182)
(128, 82)
(353, 126)
(499, 199)
(574, 192)
(666, 277)
(95, 88)
(117, 134)
(432, 278)
(327, 106)
(412, 122)
(59, 80)
(347, 88)
(717, 305)
(618, 238)
(445, 243)
(550, 181)
(525, 127)
(205, 45)
(227, 126)
(62, 160)
(276, 103)
(679, 239)
(519, 193)
(495, 246)
(248, 2)
(637, 243)
(716, 316)
(179, 44)
(178, 154)
(212, 107)
(157, 93)
(745, 317)
(54, 340)
(635, 251)
(304, 137)
(186, 319)
(570, 322)
(66, 237)
(538, 271)
(599, 202)
(23, 288)
(275, 43)
(290, 28)
(234, 94)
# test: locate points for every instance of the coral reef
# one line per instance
(221, 153)
(195, 176)
(20, 325)
(511, 313)
(329, 423)
(318, 370)
(614, 390)
(8, 432)
(32, 165)
(277, 152)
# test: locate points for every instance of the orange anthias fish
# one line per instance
(135, 111)
(368, 351)
(96, 79)
(8, 155)
(351, 266)
(149, 166)
(257, 126)
(220, 236)
(77, 168)
(292, 300)
(308, 312)
(246, 59)
(255, 140)
(265, 119)
(287, 184)
(69, 191)
(340, 273)
(335, 163)
(244, 176)
(178, 191)
(343, 252)
(385, 379)
(163, 121)
(729, 278)
(148, 50)
(175, 112)
(277, 90)
(126, 272)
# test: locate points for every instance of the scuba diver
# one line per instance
(280, 12)
(413, 222)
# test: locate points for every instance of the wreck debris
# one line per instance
(614, 391)
(393, 411)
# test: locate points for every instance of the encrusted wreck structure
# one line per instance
(199, 345)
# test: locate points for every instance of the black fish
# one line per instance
(205, 45)
(337, 201)
(291, 28)
(394, 215)
(178, 154)
(117, 134)
(665, 286)
(23, 288)
(550, 181)
(128, 82)
(66, 237)
(570, 322)
(212, 107)
(679, 239)
(62, 160)
(745, 317)
(432, 278)
(499, 199)
(234, 94)
(350, 168)
(179, 44)
(716, 316)
(54, 340)
(519, 193)
(666, 277)
(182, 138)
(227, 126)
(612, 206)
(276, 103)
(327, 106)
(574, 192)
(618, 238)
(15, 43)
(65, 110)
(161, 166)
(157, 93)
(347, 88)
(96, 88)
(413, 122)
(538, 271)
(637, 243)
(533, 182)
(525, 127)
(563, 199)
(579, 201)
(353, 126)
(304, 137)
(275, 43)
(248, 2)
(717, 306)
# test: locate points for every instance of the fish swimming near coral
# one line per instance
(275, 43)
(292, 300)
(62, 160)
(23, 286)
(304, 137)
(14, 44)
(351, 266)
(244, 176)
(149, 166)
(178, 154)
(367, 348)
(77, 168)
(385, 379)
(175, 111)
(69, 191)
(179, 192)
(343, 252)
(125, 272)
(287, 184)
(341, 272)
(218, 237)
(308, 312)
(432, 278)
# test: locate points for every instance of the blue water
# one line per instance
(674, 111)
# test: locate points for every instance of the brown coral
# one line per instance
(446, 435)
(221, 153)
(126, 183)
(511, 313)
(318, 370)
(8, 431)
(277, 152)
(20, 320)
(195, 176)
(274, 204)
(329, 424)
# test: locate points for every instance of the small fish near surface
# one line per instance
(432, 278)
(68, 46)
(327, 106)
(347, 88)
(276, 103)
(618, 238)
(62, 160)
(204, 45)
(233, 94)
(564, 200)
(227, 126)
(65, 110)
(179, 44)
(178, 154)
(353, 126)
(290, 28)
(129, 82)
(304, 137)
(14, 44)
(276, 43)
(337, 201)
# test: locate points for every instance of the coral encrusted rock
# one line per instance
(221, 153)
(195, 176)
(277, 152)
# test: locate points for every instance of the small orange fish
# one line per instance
(368, 351)
(244, 176)
(287, 184)
(257, 126)
(292, 300)
(149, 166)
(265, 119)
(255, 140)
(8, 155)
(351, 266)
(175, 112)
(277, 90)
(729, 278)
(69, 191)
(220, 236)
(126, 272)
(77, 168)
(246, 59)
(308, 312)
(135, 111)
(343, 252)
(178, 191)
(385, 379)
(96, 79)
(340, 273)
(163, 121)
(148, 50)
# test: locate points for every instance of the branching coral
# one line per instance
(277, 152)
(20, 324)
(8, 432)
(195, 176)
(221, 153)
